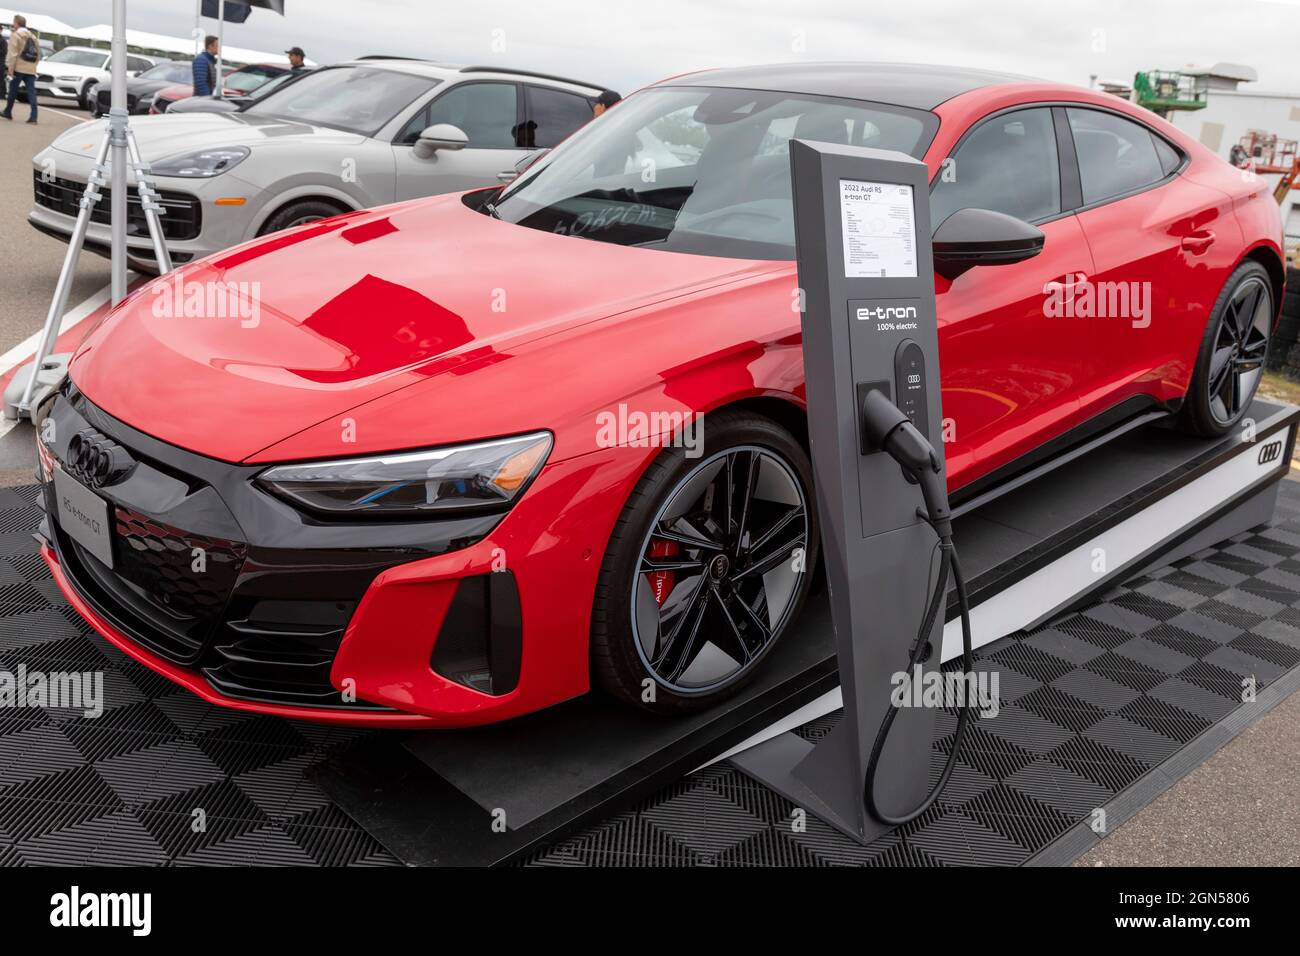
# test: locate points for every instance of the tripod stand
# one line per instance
(47, 370)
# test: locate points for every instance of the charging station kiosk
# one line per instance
(862, 228)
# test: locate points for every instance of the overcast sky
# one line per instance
(625, 44)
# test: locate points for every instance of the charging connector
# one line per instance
(886, 428)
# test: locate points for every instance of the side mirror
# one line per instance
(982, 237)
(440, 136)
(528, 160)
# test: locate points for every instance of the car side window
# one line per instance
(1007, 164)
(553, 115)
(137, 63)
(487, 113)
(1116, 155)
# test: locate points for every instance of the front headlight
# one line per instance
(486, 476)
(67, 79)
(201, 163)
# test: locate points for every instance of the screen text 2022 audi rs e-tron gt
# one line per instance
(461, 458)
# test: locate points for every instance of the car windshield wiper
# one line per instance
(491, 209)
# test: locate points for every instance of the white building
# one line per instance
(1232, 111)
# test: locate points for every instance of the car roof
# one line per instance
(447, 71)
(915, 85)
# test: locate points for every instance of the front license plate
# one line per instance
(84, 516)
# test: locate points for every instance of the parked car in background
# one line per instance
(404, 128)
(235, 104)
(71, 72)
(235, 83)
(140, 89)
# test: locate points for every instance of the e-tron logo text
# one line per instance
(1270, 452)
(889, 318)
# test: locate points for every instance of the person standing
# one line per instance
(297, 59)
(204, 69)
(23, 54)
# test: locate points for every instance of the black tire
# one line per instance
(1210, 415)
(619, 660)
(83, 99)
(298, 213)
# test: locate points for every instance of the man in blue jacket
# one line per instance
(205, 68)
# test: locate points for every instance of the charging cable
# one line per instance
(887, 428)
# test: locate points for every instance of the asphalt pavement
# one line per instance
(32, 260)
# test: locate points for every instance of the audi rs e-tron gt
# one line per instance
(460, 458)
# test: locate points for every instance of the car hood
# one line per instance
(69, 69)
(330, 315)
(160, 136)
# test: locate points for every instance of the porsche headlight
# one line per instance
(201, 163)
(486, 475)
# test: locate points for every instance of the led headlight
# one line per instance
(201, 163)
(485, 475)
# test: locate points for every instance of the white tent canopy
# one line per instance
(182, 47)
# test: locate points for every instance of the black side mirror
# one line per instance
(982, 237)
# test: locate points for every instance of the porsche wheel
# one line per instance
(707, 567)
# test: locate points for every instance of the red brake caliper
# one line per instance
(662, 581)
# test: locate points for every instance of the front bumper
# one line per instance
(53, 88)
(399, 624)
(193, 224)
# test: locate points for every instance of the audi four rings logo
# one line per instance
(95, 459)
(1270, 452)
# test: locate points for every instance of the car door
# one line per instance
(490, 113)
(1012, 375)
(1153, 237)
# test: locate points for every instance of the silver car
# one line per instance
(344, 137)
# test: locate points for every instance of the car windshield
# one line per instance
(171, 72)
(250, 78)
(358, 99)
(91, 58)
(273, 84)
(703, 171)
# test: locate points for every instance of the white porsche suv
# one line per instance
(345, 137)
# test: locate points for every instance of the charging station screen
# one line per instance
(878, 222)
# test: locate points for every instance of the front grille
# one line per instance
(182, 215)
(44, 78)
(105, 99)
(188, 575)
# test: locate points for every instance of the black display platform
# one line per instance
(444, 797)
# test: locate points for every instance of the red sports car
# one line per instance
(458, 459)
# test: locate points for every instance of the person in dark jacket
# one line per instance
(205, 68)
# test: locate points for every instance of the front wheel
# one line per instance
(706, 568)
(1231, 360)
(297, 214)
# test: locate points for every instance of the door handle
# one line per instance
(506, 175)
(1198, 242)
(1071, 279)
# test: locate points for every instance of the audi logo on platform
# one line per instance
(1270, 452)
(96, 460)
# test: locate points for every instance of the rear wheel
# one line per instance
(707, 567)
(1231, 361)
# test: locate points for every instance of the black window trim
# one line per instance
(1166, 178)
(1067, 160)
(446, 88)
(1060, 169)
